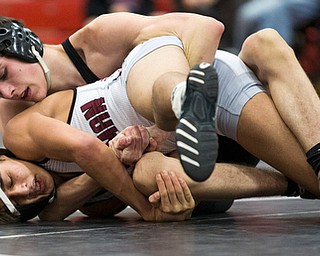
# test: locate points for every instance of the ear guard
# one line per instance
(29, 211)
(16, 41)
(20, 42)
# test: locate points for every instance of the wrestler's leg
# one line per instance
(166, 66)
(228, 181)
(263, 133)
(294, 96)
(150, 86)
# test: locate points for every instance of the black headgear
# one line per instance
(30, 211)
(16, 41)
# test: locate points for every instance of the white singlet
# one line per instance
(237, 85)
(103, 108)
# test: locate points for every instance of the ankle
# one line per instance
(313, 158)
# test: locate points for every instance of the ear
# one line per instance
(3, 157)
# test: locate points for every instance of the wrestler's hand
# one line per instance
(130, 144)
(160, 136)
(173, 198)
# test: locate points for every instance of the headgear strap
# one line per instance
(6, 201)
(43, 65)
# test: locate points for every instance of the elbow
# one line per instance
(213, 26)
(218, 26)
(84, 148)
(266, 41)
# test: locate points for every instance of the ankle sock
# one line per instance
(178, 97)
(313, 158)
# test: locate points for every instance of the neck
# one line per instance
(63, 73)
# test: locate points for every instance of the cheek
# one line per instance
(20, 174)
(48, 181)
(40, 93)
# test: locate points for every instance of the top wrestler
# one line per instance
(105, 56)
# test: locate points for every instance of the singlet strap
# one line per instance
(78, 62)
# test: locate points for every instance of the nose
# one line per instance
(19, 190)
(7, 91)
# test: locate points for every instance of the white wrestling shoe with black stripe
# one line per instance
(197, 141)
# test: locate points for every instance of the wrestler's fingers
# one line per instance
(174, 189)
(124, 142)
(180, 195)
(187, 195)
(144, 133)
(121, 141)
(162, 182)
(140, 138)
(153, 145)
(154, 199)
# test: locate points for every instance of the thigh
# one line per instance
(154, 66)
(263, 133)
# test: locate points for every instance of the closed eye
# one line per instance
(4, 74)
(11, 181)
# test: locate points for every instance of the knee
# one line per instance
(144, 173)
(267, 41)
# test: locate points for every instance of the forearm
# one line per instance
(109, 172)
(70, 196)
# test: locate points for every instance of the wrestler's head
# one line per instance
(23, 73)
(25, 189)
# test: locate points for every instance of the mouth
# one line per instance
(25, 94)
(39, 186)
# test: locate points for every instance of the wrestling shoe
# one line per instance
(197, 141)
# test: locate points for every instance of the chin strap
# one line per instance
(6, 201)
(43, 65)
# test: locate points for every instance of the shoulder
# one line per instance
(56, 105)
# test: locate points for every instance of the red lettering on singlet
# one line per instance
(96, 113)
(93, 107)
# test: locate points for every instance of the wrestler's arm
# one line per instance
(108, 39)
(39, 133)
(9, 108)
(71, 194)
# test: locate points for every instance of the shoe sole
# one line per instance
(197, 141)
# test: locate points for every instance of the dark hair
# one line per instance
(7, 218)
